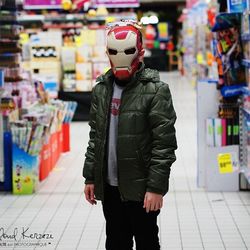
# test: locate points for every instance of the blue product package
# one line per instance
(1, 78)
(7, 161)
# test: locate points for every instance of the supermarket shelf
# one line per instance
(42, 18)
(71, 18)
(56, 26)
(31, 18)
(42, 7)
(245, 37)
(246, 172)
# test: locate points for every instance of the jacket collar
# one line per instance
(143, 75)
(109, 78)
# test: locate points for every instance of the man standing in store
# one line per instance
(132, 143)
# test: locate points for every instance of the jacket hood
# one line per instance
(143, 75)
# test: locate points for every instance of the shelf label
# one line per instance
(225, 163)
(228, 163)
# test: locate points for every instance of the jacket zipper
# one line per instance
(118, 172)
(109, 99)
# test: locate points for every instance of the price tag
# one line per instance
(225, 163)
(24, 38)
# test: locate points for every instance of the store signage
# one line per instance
(228, 163)
(234, 90)
(42, 4)
(225, 163)
(236, 6)
(117, 3)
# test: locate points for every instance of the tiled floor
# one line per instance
(191, 218)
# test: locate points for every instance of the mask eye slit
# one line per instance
(112, 51)
(130, 51)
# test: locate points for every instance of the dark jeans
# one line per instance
(127, 219)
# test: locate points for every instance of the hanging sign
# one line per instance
(42, 4)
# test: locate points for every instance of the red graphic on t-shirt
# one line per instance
(115, 105)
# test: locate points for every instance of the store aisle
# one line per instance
(190, 219)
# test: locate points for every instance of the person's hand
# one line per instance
(152, 201)
(89, 193)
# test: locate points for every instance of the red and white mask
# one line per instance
(124, 49)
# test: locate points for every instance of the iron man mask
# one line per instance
(124, 49)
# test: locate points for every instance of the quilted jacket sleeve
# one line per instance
(88, 168)
(162, 118)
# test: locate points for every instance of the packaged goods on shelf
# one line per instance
(10, 60)
(45, 52)
(69, 81)
(10, 31)
(8, 17)
(99, 68)
(7, 46)
(84, 85)
(27, 136)
(71, 108)
(88, 37)
(245, 25)
(222, 132)
(99, 53)
(84, 53)
(248, 76)
(229, 51)
(68, 58)
(246, 49)
(100, 37)
(83, 71)
(9, 4)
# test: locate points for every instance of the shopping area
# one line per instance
(52, 51)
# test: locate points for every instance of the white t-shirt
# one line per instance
(112, 177)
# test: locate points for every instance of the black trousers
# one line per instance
(125, 220)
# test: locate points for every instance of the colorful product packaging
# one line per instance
(25, 171)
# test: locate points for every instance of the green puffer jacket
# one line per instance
(146, 136)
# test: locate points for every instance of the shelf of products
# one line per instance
(245, 106)
(34, 129)
(222, 78)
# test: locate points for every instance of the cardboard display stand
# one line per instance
(66, 137)
(27, 169)
(25, 172)
(45, 162)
